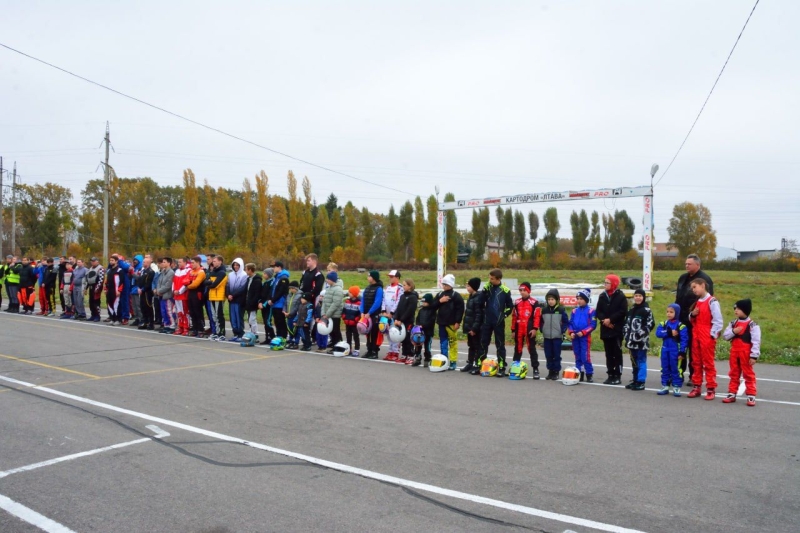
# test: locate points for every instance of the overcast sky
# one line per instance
(481, 98)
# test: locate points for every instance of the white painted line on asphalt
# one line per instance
(567, 519)
(32, 517)
(158, 431)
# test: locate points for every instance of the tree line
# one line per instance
(252, 222)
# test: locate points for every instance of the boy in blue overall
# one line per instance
(581, 324)
(675, 337)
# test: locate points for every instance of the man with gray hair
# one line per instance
(686, 298)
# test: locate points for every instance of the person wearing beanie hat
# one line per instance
(391, 299)
(612, 306)
(582, 322)
(426, 319)
(473, 318)
(554, 323)
(707, 324)
(675, 341)
(745, 337)
(371, 303)
(525, 323)
(498, 305)
(638, 325)
(449, 307)
(404, 316)
(351, 312)
(332, 306)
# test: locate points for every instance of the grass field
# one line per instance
(775, 295)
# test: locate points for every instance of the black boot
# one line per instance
(468, 367)
(589, 378)
(582, 376)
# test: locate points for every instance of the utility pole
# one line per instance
(105, 199)
(14, 211)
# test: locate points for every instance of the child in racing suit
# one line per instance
(675, 337)
(706, 318)
(525, 322)
(745, 337)
(581, 324)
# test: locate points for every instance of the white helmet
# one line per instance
(439, 363)
(397, 333)
(325, 328)
(571, 376)
(341, 349)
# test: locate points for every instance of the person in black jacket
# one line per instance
(497, 306)
(27, 285)
(612, 306)
(312, 280)
(253, 297)
(50, 286)
(473, 318)
(450, 310)
(426, 318)
(263, 305)
(145, 284)
(404, 314)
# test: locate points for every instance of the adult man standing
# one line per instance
(686, 298)
(145, 285)
(312, 280)
(94, 287)
(78, 275)
(4, 268)
(164, 292)
(136, 290)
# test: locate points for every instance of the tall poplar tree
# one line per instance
(262, 213)
(191, 207)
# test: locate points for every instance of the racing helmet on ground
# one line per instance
(439, 363)
(519, 370)
(341, 349)
(278, 343)
(489, 367)
(570, 376)
(248, 340)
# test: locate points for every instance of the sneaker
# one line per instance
(178, 331)
(370, 355)
(135, 322)
(583, 377)
(107, 320)
(710, 394)
(426, 363)
(232, 339)
(467, 368)
(213, 337)
(475, 371)
(124, 322)
(630, 385)
(114, 323)
(62, 317)
(664, 391)
(729, 398)
(608, 381)
(221, 338)
(615, 381)
(391, 357)
(501, 373)
(354, 353)
(536, 374)
(401, 359)
(676, 391)
(329, 351)
(306, 348)
(410, 360)
(590, 379)
(751, 401)
(453, 365)
(638, 386)
(694, 393)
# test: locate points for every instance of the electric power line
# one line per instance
(211, 128)
(709, 94)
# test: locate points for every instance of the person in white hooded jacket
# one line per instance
(237, 296)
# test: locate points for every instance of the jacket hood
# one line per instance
(138, 260)
(615, 281)
(282, 274)
(237, 279)
(239, 261)
(554, 294)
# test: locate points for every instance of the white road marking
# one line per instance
(567, 519)
(158, 431)
(32, 517)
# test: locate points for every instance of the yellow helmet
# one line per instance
(489, 367)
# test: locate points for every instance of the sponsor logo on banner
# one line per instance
(461, 203)
(647, 204)
(474, 203)
(617, 192)
(492, 201)
(647, 242)
(522, 198)
(647, 281)
(579, 195)
(569, 301)
(601, 193)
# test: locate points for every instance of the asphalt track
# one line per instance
(115, 429)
